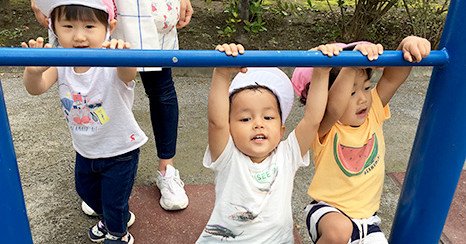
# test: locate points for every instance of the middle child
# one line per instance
(254, 169)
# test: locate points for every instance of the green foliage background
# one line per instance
(307, 22)
(355, 19)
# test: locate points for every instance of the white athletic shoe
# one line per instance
(172, 190)
(128, 238)
(132, 218)
(88, 210)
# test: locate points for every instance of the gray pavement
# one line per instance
(46, 157)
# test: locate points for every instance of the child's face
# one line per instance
(80, 34)
(360, 102)
(255, 123)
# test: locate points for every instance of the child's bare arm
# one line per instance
(414, 50)
(38, 79)
(316, 102)
(126, 74)
(218, 103)
(340, 92)
(338, 97)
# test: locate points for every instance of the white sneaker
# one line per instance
(132, 218)
(88, 210)
(128, 238)
(172, 190)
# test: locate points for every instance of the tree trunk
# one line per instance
(5, 12)
(366, 13)
(243, 9)
(243, 13)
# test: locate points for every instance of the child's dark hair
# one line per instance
(332, 77)
(78, 12)
(256, 87)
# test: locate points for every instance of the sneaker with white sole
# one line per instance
(110, 239)
(172, 190)
(98, 232)
(88, 210)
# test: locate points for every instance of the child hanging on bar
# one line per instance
(254, 169)
(349, 149)
(97, 103)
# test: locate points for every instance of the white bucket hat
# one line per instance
(274, 79)
(47, 6)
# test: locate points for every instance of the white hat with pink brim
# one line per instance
(47, 6)
(274, 79)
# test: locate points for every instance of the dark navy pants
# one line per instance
(105, 184)
(163, 104)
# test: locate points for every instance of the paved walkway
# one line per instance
(46, 158)
(155, 225)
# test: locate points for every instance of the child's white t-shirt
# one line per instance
(98, 109)
(253, 201)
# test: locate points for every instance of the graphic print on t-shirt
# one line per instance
(83, 112)
(354, 160)
(243, 214)
(265, 178)
(220, 232)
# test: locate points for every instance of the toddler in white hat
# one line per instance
(254, 169)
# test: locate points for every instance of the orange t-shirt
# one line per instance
(350, 164)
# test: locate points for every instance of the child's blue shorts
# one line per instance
(364, 230)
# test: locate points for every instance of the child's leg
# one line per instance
(334, 228)
(87, 182)
(326, 224)
(117, 183)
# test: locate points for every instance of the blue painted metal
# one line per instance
(14, 225)
(439, 150)
(201, 58)
(436, 161)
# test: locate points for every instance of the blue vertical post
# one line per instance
(15, 224)
(439, 150)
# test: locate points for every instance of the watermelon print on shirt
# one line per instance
(354, 160)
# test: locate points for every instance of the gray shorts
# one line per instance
(364, 230)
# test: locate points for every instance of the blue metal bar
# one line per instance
(439, 150)
(201, 58)
(15, 224)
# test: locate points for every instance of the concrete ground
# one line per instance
(46, 158)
